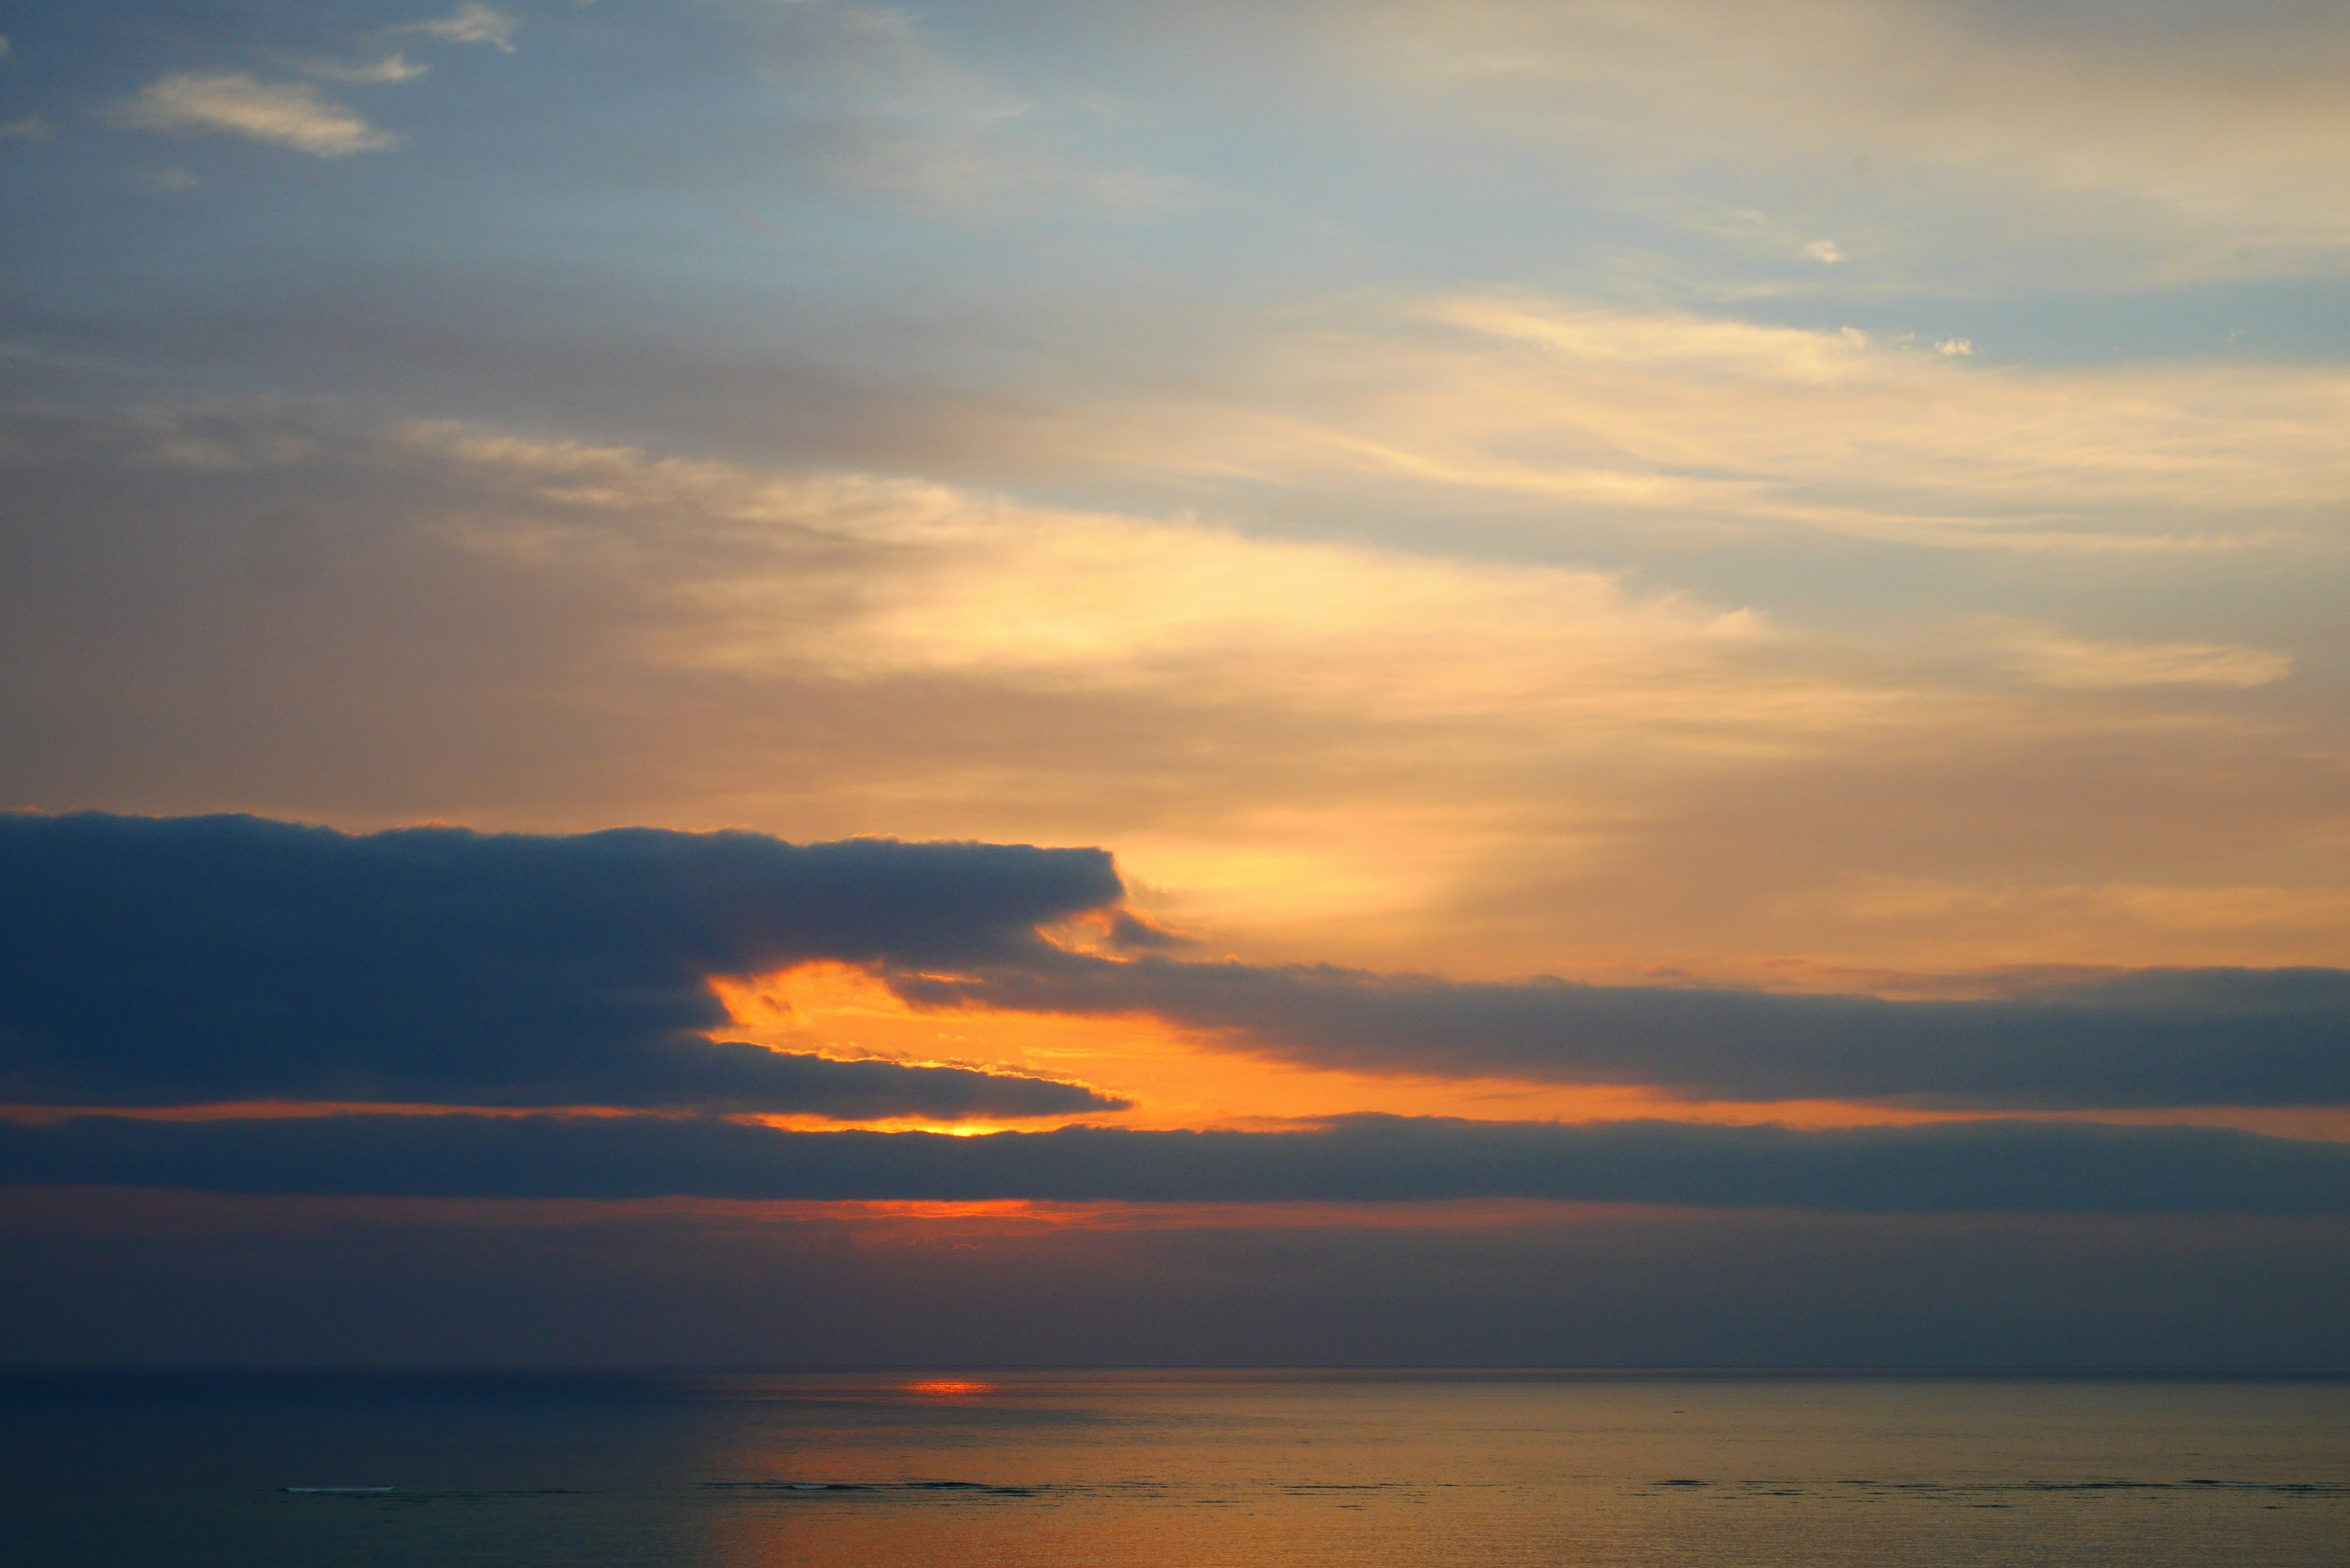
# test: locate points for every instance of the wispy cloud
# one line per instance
(1695, 418)
(925, 580)
(471, 24)
(2054, 659)
(392, 67)
(235, 103)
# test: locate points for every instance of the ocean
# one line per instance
(1197, 1468)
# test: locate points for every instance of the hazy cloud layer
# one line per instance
(2192, 141)
(2185, 1037)
(202, 960)
(2007, 1166)
(144, 1279)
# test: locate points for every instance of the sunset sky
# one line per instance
(1579, 681)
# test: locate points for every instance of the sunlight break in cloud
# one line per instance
(234, 103)
(471, 24)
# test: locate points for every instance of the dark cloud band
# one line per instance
(205, 959)
(2009, 1166)
(2178, 1037)
(202, 960)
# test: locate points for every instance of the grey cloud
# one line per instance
(158, 962)
(2004, 1166)
(2163, 1037)
(1131, 933)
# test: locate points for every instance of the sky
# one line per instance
(1413, 682)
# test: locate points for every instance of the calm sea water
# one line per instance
(1190, 1469)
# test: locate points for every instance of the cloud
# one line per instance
(2183, 1037)
(868, 579)
(234, 103)
(392, 69)
(1564, 417)
(1673, 414)
(471, 24)
(1981, 1166)
(204, 960)
(2054, 659)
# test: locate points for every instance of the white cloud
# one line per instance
(232, 103)
(1955, 347)
(1824, 251)
(392, 69)
(471, 24)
